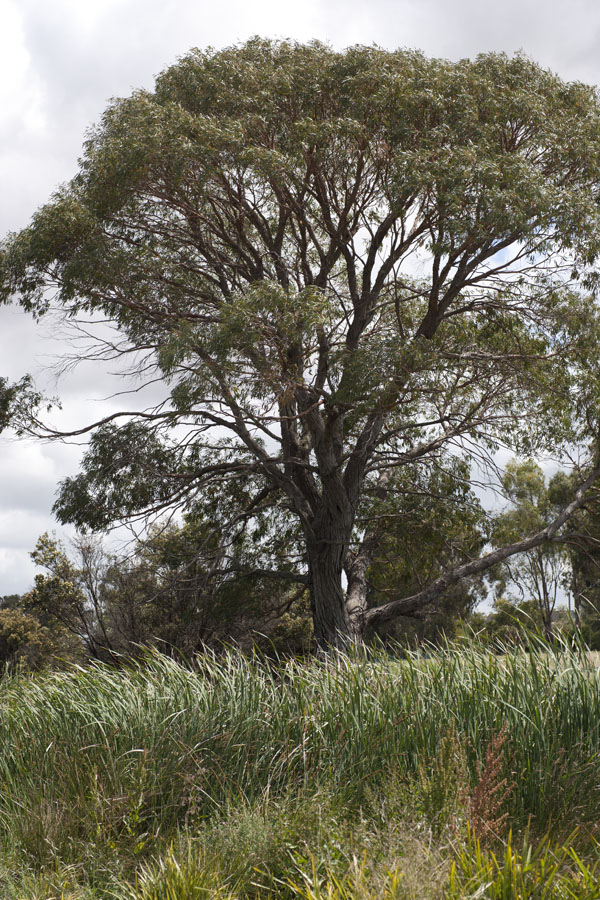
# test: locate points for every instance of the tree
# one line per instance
(26, 641)
(68, 596)
(15, 400)
(584, 551)
(23, 640)
(11, 601)
(582, 544)
(340, 264)
(539, 574)
(429, 521)
(159, 594)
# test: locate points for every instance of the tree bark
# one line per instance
(341, 617)
(546, 605)
(356, 594)
(331, 624)
(327, 551)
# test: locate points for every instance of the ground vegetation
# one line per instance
(459, 774)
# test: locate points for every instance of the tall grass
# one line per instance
(101, 769)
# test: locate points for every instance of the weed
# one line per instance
(486, 806)
(535, 873)
(261, 769)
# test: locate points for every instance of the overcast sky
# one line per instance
(61, 61)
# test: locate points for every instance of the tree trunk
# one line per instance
(334, 624)
(576, 590)
(546, 605)
(356, 595)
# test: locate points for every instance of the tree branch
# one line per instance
(408, 605)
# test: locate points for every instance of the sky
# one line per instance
(61, 61)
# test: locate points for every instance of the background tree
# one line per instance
(16, 402)
(338, 263)
(582, 544)
(164, 593)
(23, 641)
(538, 576)
(26, 641)
(428, 521)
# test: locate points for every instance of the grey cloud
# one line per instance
(16, 571)
(29, 473)
(43, 350)
(76, 69)
(28, 479)
(562, 36)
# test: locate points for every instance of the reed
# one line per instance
(100, 769)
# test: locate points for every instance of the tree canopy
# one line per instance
(344, 266)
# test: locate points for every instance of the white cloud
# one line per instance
(20, 96)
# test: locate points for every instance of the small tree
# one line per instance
(339, 264)
(582, 544)
(27, 641)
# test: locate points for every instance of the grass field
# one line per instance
(465, 774)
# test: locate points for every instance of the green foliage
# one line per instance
(28, 642)
(19, 402)
(428, 520)
(538, 574)
(360, 718)
(533, 872)
(115, 479)
(510, 623)
(171, 592)
(180, 879)
(11, 601)
(442, 782)
(581, 544)
(23, 640)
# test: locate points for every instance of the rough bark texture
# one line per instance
(327, 549)
(331, 624)
(356, 594)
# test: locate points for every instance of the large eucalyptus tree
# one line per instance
(342, 264)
